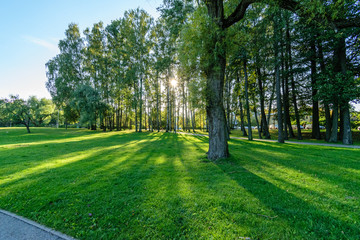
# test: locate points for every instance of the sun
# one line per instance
(173, 82)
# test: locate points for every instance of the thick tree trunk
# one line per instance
(347, 136)
(215, 73)
(344, 107)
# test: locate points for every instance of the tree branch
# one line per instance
(238, 13)
(295, 7)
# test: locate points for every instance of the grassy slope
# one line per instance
(160, 186)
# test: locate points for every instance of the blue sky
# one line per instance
(31, 30)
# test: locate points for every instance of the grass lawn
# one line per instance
(125, 185)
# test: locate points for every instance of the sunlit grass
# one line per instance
(126, 185)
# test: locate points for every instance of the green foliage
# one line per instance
(335, 88)
(88, 103)
(41, 110)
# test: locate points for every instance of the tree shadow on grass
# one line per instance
(17, 160)
(155, 185)
(298, 205)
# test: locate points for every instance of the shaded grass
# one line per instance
(306, 134)
(124, 185)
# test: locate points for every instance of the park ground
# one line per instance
(126, 185)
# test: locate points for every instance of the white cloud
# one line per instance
(41, 42)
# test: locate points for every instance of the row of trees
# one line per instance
(232, 61)
(32, 112)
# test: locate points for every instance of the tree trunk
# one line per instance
(27, 125)
(257, 121)
(228, 105)
(193, 120)
(157, 102)
(327, 109)
(282, 59)
(183, 105)
(242, 124)
(286, 93)
(315, 133)
(215, 73)
(168, 123)
(247, 101)
(118, 118)
(271, 100)
(136, 116)
(264, 123)
(141, 105)
(328, 123)
(334, 130)
(347, 136)
(278, 82)
(344, 107)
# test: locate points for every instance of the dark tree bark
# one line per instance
(264, 123)
(340, 54)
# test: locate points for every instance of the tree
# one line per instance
(41, 110)
(19, 111)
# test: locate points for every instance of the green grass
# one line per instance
(125, 185)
